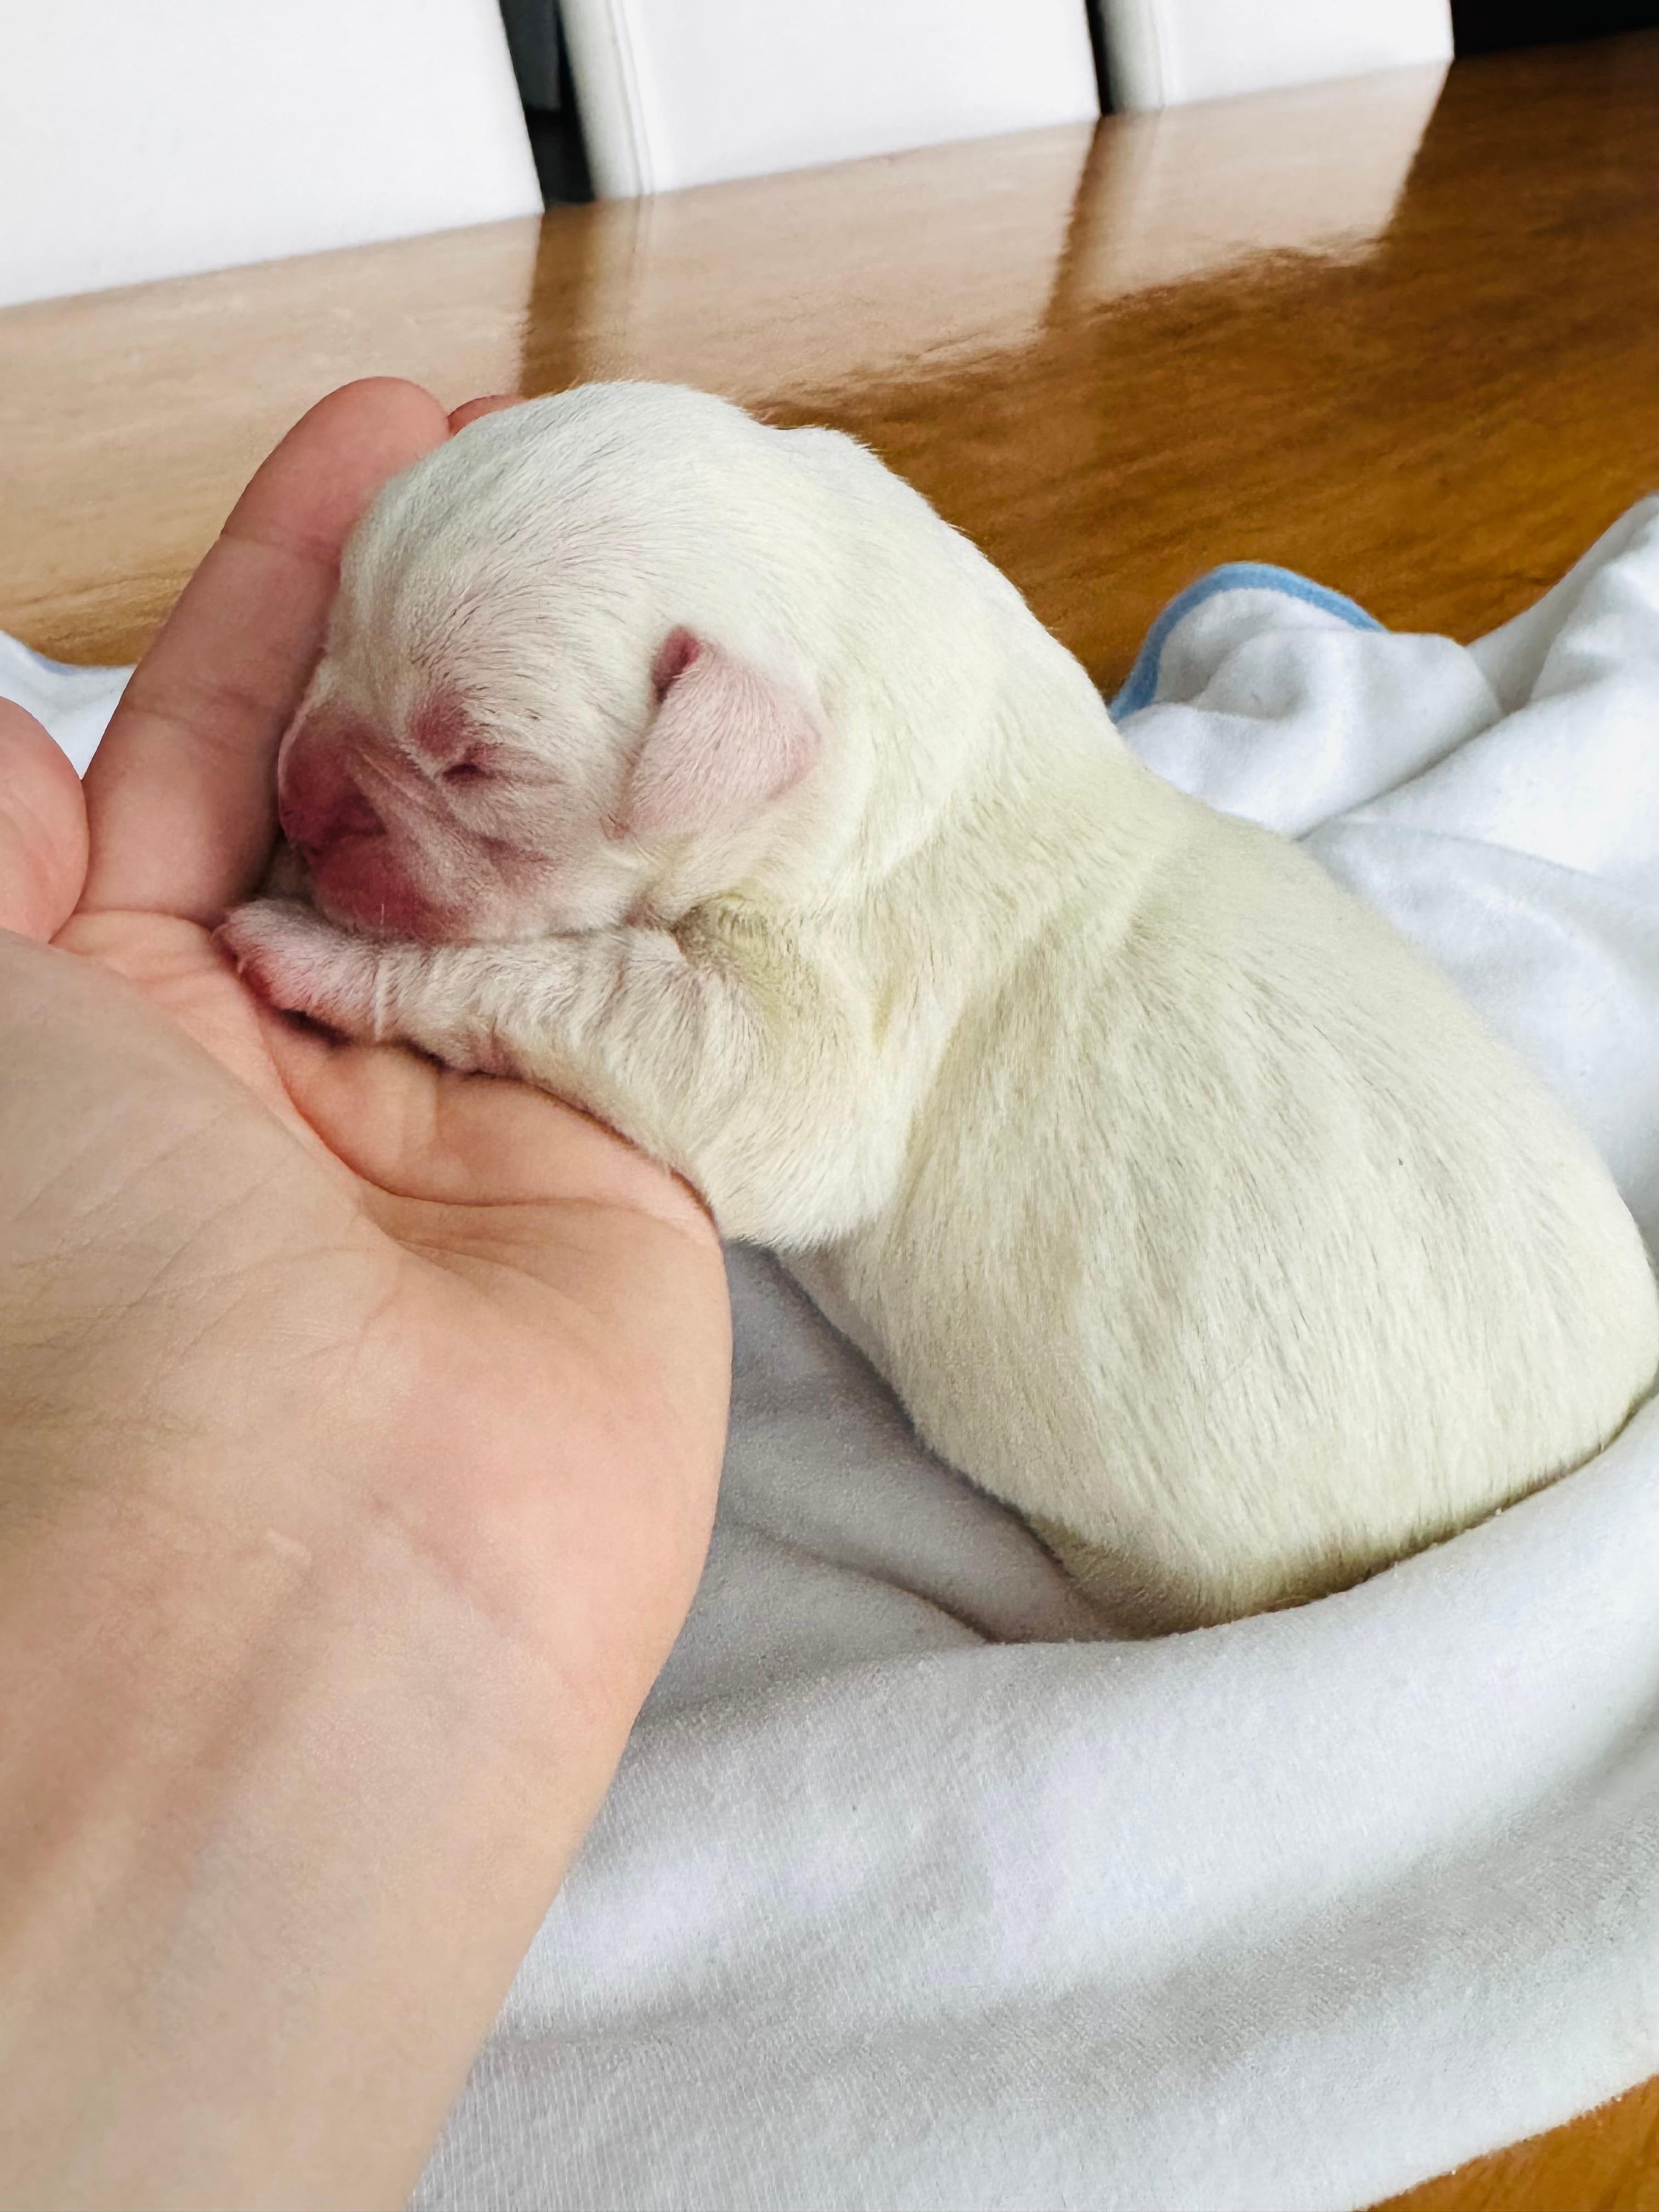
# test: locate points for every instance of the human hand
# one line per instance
(293, 1330)
(467, 1253)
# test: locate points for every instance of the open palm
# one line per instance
(505, 1330)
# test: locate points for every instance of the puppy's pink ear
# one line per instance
(725, 742)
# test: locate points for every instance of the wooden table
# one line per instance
(1402, 337)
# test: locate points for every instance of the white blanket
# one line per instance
(902, 1900)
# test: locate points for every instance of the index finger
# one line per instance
(180, 795)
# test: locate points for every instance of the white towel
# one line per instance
(901, 1900)
(75, 703)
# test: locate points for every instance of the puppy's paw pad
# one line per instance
(289, 957)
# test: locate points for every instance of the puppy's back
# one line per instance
(1233, 1249)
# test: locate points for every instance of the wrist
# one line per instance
(241, 1768)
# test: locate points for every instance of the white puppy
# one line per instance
(698, 772)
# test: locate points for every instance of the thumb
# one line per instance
(43, 829)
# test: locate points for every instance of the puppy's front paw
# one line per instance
(301, 964)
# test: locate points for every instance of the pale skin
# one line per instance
(547, 1010)
(359, 1426)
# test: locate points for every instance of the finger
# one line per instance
(43, 827)
(418, 1132)
(180, 794)
(490, 405)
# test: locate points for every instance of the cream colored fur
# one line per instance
(1185, 1206)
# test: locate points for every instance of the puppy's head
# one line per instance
(567, 678)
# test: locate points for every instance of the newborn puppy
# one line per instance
(696, 771)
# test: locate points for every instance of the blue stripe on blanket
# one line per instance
(1141, 688)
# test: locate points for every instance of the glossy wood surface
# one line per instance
(1609, 2161)
(1405, 339)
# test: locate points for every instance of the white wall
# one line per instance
(144, 138)
(687, 92)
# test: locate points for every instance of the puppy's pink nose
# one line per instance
(314, 823)
(318, 803)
